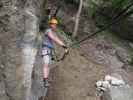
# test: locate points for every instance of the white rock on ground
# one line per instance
(113, 87)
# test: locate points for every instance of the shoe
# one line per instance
(46, 83)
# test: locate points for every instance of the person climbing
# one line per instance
(47, 46)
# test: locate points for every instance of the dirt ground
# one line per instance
(75, 77)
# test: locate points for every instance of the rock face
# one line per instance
(119, 93)
(19, 21)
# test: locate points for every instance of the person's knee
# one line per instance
(46, 59)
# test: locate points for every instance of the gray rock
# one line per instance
(3, 92)
(15, 22)
(131, 45)
(122, 55)
(4, 98)
(118, 93)
(2, 88)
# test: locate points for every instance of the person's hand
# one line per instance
(66, 49)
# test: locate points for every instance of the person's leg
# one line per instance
(46, 61)
(45, 71)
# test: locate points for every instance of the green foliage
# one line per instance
(106, 11)
(68, 38)
(93, 7)
(115, 5)
(119, 3)
(131, 62)
(60, 21)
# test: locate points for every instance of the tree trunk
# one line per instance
(77, 18)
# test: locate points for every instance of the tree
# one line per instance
(77, 18)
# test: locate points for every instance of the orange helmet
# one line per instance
(53, 21)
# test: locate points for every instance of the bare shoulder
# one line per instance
(48, 30)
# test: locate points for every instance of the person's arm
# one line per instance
(56, 39)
